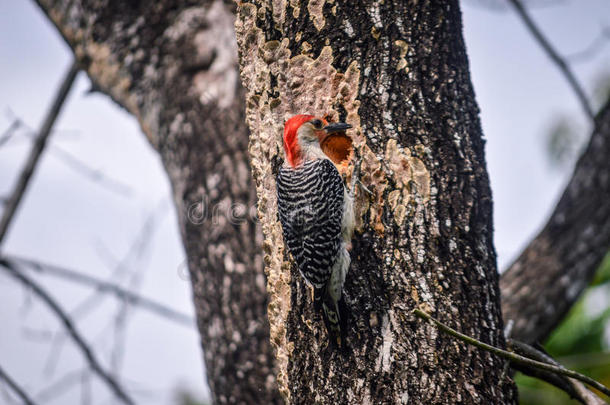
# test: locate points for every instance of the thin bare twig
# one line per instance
(139, 253)
(15, 387)
(37, 149)
(85, 393)
(95, 175)
(103, 286)
(60, 386)
(114, 386)
(76, 164)
(499, 6)
(121, 267)
(512, 357)
(555, 57)
(92, 174)
(10, 131)
(594, 47)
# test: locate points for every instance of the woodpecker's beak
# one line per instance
(336, 127)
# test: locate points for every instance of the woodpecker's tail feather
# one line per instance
(333, 315)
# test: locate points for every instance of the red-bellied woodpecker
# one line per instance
(316, 213)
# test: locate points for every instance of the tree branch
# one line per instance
(542, 284)
(94, 175)
(513, 357)
(66, 157)
(15, 387)
(60, 386)
(10, 131)
(37, 149)
(602, 39)
(103, 286)
(573, 387)
(555, 57)
(114, 386)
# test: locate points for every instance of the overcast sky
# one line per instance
(70, 220)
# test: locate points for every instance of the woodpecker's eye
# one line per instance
(317, 124)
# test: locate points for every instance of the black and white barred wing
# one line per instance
(310, 205)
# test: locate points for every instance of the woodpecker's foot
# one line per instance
(355, 175)
(364, 188)
(356, 178)
(312, 295)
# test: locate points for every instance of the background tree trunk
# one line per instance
(540, 287)
(173, 64)
(398, 73)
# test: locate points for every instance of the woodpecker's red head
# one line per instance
(303, 133)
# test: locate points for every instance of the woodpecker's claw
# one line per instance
(365, 188)
(356, 178)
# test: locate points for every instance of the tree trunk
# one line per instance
(540, 287)
(398, 73)
(173, 65)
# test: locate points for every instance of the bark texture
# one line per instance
(548, 277)
(397, 71)
(173, 64)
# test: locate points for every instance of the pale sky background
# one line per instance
(67, 219)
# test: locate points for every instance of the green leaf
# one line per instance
(603, 273)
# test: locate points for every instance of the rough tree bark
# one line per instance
(551, 273)
(173, 65)
(397, 71)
